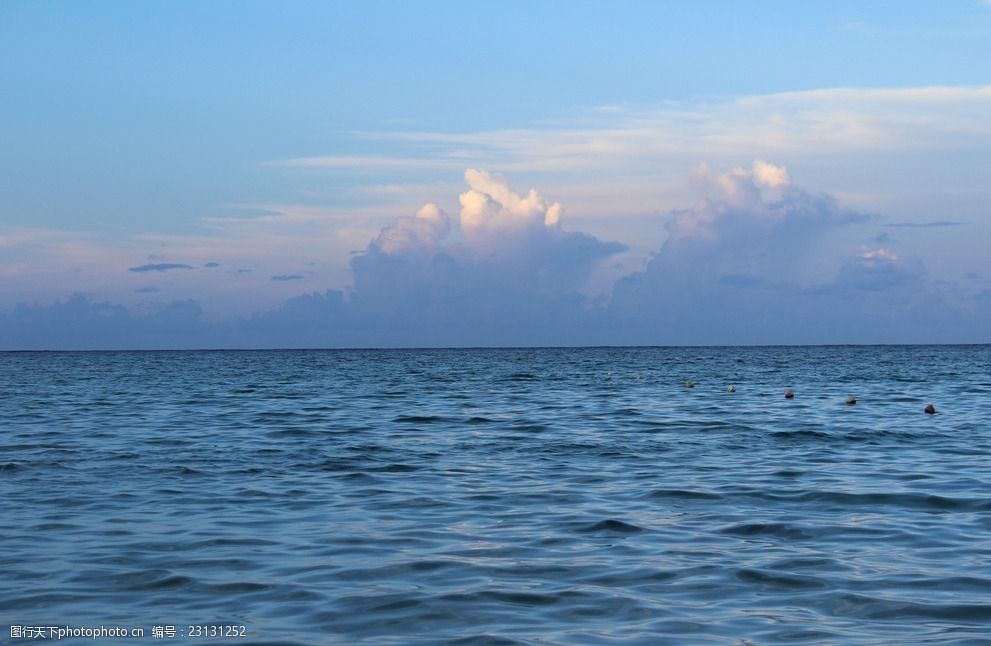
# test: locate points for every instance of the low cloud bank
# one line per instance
(79, 323)
(736, 268)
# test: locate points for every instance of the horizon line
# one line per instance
(500, 347)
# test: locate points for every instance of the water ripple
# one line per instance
(510, 496)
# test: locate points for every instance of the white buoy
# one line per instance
(731, 389)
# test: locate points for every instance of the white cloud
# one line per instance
(507, 273)
(878, 256)
(914, 153)
(742, 253)
(424, 231)
(507, 270)
(489, 208)
(742, 204)
(770, 175)
(368, 161)
(812, 122)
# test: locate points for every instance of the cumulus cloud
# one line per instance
(506, 272)
(750, 220)
(490, 210)
(162, 266)
(424, 231)
(908, 153)
(770, 175)
(735, 268)
(601, 150)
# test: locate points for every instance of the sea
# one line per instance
(497, 496)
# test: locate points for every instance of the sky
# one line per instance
(381, 174)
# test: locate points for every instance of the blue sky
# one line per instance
(235, 161)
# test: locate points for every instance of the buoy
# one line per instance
(851, 400)
(689, 384)
(789, 393)
(731, 389)
(930, 409)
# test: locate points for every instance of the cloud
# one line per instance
(423, 231)
(749, 219)
(796, 124)
(491, 211)
(935, 224)
(742, 264)
(211, 265)
(895, 150)
(146, 290)
(78, 323)
(735, 269)
(507, 271)
(368, 161)
(769, 175)
(164, 266)
(912, 152)
(877, 270)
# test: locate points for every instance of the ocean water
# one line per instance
(538, 496)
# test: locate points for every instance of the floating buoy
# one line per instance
(851, 400)
(731, 389)
(930, 409)
(689, 384)
(789, 393)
